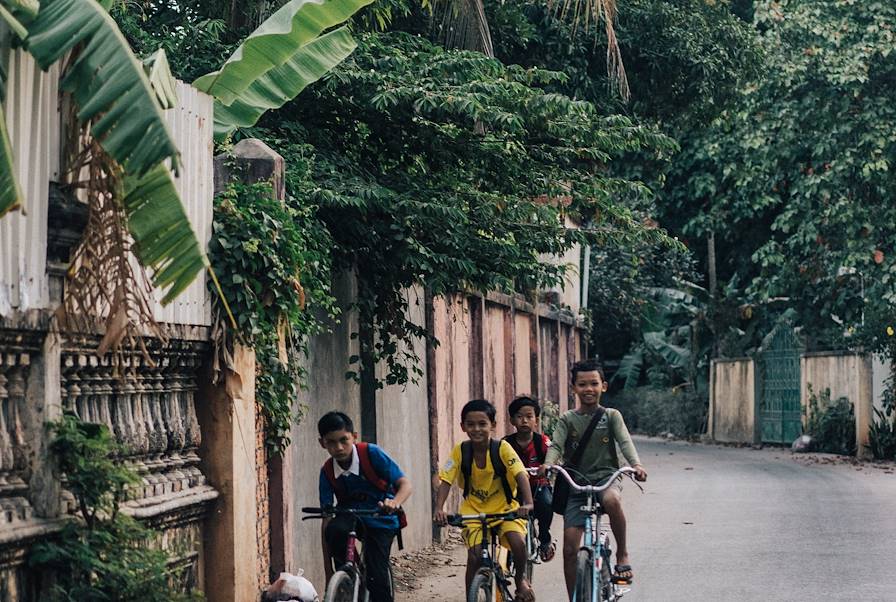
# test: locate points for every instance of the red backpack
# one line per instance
(370, 475)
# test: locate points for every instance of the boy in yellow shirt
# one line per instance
(472, 467)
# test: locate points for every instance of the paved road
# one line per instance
(727, 524)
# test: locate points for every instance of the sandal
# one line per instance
(546, 551)
(622, 579)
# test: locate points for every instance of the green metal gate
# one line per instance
(780, 412)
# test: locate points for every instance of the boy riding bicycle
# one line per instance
(492, 477)
(597, 462)
(361, 477)
(531, 446)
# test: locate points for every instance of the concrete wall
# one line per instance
(327, 390)
(732, 400)
(881, 369)
(846, 375)
(403, 431)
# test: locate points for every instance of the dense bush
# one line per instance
(655, 411)
(831, 424)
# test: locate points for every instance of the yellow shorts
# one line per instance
(472, 533)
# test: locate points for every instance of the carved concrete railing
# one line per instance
(149, 404)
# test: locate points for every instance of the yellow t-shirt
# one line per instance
(486, 491)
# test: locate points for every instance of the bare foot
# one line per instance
(524, 591)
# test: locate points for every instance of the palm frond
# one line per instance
(585, 14)
(462, 24)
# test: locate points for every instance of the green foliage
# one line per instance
(882, 436)
(795, 177)
(831, 424)
(657, 411)
(438, 167)
(105, 555)
(271, 266)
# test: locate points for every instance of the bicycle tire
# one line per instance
(482, 587)
(605, 579)
(341, 588)
(584, 566)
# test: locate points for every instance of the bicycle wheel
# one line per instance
(341, 588)
(584, 566)
(605, 581)
(482, 587)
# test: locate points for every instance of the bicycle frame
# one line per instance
(489, 552)
(593, 541)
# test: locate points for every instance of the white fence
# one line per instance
(32, 115)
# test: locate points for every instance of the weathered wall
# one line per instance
(881, 369)
(403, 431)
(847, 375)
(732, 400)
(327, 389)
(513, 346)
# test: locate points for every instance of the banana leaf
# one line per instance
(283, 83)
(275, 42)
(163, 237)
(106, 81)
(10, 193)
(112, 92)
(163, 83)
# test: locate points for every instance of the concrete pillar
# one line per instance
(226, 414)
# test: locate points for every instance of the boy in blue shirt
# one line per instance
(362, 477)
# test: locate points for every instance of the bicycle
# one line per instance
(348, 583)
(594, 580)
(492, 580)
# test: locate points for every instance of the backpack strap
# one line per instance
(466, 464)
(540, 450)
(368, 470)
(499, 468)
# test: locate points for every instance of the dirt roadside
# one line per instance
(428, 574)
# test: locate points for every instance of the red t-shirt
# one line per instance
(529, 455)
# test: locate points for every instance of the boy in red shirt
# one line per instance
(531, 446)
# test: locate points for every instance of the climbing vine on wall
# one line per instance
(273, 260)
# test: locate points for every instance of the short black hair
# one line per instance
(521, 402)
(479, 405)
(589, 365)
(334, 421)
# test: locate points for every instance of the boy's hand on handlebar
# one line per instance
(389, 506)
(524, 510)
(640, 473)
(543, 470)
(440, 517)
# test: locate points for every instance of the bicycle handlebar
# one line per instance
(331, 511)
(624, 471)
(458, 520)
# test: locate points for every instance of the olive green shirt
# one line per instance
(598, 461)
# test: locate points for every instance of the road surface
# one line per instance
(737, 524)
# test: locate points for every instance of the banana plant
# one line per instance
(114, 95)
(278, 60)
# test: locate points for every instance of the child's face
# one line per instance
(588, 387)
(525, 420)
(478, 426)
(339, 444)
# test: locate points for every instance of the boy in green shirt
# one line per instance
(598, 462)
